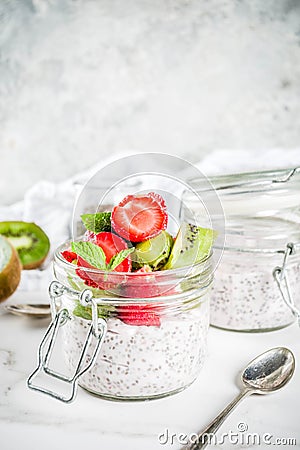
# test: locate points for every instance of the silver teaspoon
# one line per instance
(267, 373)
(39, 311)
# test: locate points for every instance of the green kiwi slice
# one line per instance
(192, 245)
(30, 241)
(10, 269)
(154, 252)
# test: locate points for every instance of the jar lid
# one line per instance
(262, 209)
(256, 193)
(261, 234)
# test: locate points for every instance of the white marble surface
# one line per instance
(81, 80)
(30, 421)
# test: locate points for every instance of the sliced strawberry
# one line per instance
(141, 290)
(87, 280)
(111, 244)
(138, 218)
(139, 315)
(141, 285)
(159, 199)
(89, 236)
(69, 256)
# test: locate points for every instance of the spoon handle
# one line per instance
(206, 435)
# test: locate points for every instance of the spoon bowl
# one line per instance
(39, 311)
(269, 371)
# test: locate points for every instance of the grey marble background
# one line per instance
(80, 80)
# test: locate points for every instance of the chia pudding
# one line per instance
(245, 297)
(140, 362)
(262, 211)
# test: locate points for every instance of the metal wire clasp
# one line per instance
(281, 278)
(98, 328)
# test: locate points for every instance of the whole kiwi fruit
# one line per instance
(10, 269)
(30, 241)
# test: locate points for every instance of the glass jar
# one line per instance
(246, 295)
(257, 283)
(134, 337)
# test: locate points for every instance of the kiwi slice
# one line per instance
(192, 245)
(30, 241)
(10, 269)
(155, 251)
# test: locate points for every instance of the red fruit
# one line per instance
(139, 315)
(87, 280)
(141, 289)
(144, 269)
(159, 199)
(111, 245)
(145, 284)
(89, 236)
(138, 218)
(141, 285)
(69, 256)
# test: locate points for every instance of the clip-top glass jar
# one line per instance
(142, 336)
(257, 283)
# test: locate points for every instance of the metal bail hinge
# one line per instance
(281, 278)
(98, 328)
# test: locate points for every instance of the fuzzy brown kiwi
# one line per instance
(10, 269)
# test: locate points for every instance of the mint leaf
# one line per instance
(119, 257)
(85, 312)
(91, 253)
(95, 256)
(97, 222)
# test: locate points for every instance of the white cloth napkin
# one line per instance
(50, 205)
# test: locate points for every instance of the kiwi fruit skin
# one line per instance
(31, 256)
(10, 274)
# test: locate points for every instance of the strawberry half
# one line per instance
(139, 315)
(111, 244)
(138, 218)
(69, 256)
(141, 286)
(88, 281)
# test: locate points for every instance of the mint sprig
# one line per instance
(95, 256)
(119, 257)
(85, 312)
(91, 253)
(97, 222)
